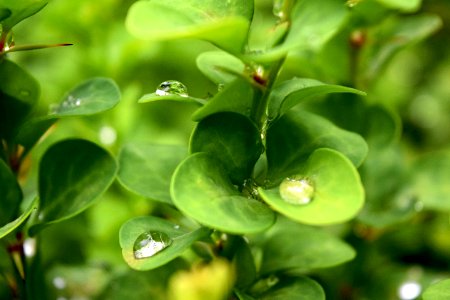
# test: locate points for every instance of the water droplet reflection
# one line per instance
(150, 243)
(297, 190)
(172, 87)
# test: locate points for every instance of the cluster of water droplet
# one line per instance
(70, 102)
(150, 243)
(297, 190)
(172, 87)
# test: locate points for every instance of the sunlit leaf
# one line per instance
(438, 291)
(15, 11)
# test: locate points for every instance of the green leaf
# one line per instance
(180, 240)
(390, 37)
(313, 24)
(201, 189)
(18, 11)
(11, 194)
(153, 97)
(302, 133)
(338, 194)
(244, 263)
(90, 97)
(231, 138)
(19, 93)
(4, 13)
(8, 228)
(438, 291)
(403, 5)
(235, 97)
(31, 131)
(215, 64)
(300, 248)
(294, 288)
(147, 169)
(225, 24)
(430, 178)
(291, 92)
(72, 175)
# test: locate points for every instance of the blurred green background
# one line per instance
(82, 257)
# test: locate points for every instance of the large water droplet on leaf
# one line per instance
(297, 190)
(150, 243)
(172, 87)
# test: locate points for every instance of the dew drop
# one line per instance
(172, 87)
(150, 243)
(297, 190)
(278, 8)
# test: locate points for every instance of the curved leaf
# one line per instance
(10, 194)
(201, 189)
(19, 93)
(8, 228)
(291, 92)
(438, 291)
(18, 11)
(294, 288)
(90, 97)
(302, 133)
(403, 5)
(231, 138)
(301, 248)
(72, 175)
(147, 169)
(224, 23)
(338, 193)
(153, 97)
(213, 64)
(180, 241)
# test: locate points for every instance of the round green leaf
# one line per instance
(294, 288)
(10, 194)
(147, 169)
(301, 248)
(18, 11)
(292, 92)
(72, 175)
(19, 93)
(296, 135)
(231, 138)
(338, 193)
(180, 241)
(223, 23)
(438, 291)
(202, 190)
(213, 64)
(90, 97)
(153, 97)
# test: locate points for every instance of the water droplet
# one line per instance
(172, 87)
(297, 190)
(70, 102)
(176, 227)
(150, 243)
(278, 8)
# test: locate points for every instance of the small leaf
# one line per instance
(10, 194)
(300, 248)
(244, 263)
(292, 92)
(313, 24)
(19, 93)
(147, 169)
(153, 97)
(235, 97)
(225, 24)
(403, 5)
(294, 136)
(90, 97)
(201, 189)
(18, 11)
(438, 291)
(180, 241)
(213, 63)
(72, 175)
(430, 178)
(337, 196)
(8, 228)
(231, 138)
(294, 288)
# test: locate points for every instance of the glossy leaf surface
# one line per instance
(220, 67)
(11, 226)
(231, 138)
(15, 11)
(146, 169)
(224, 23)
(201, 189)
(338, 192)
(65, 172)
(181, 240)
